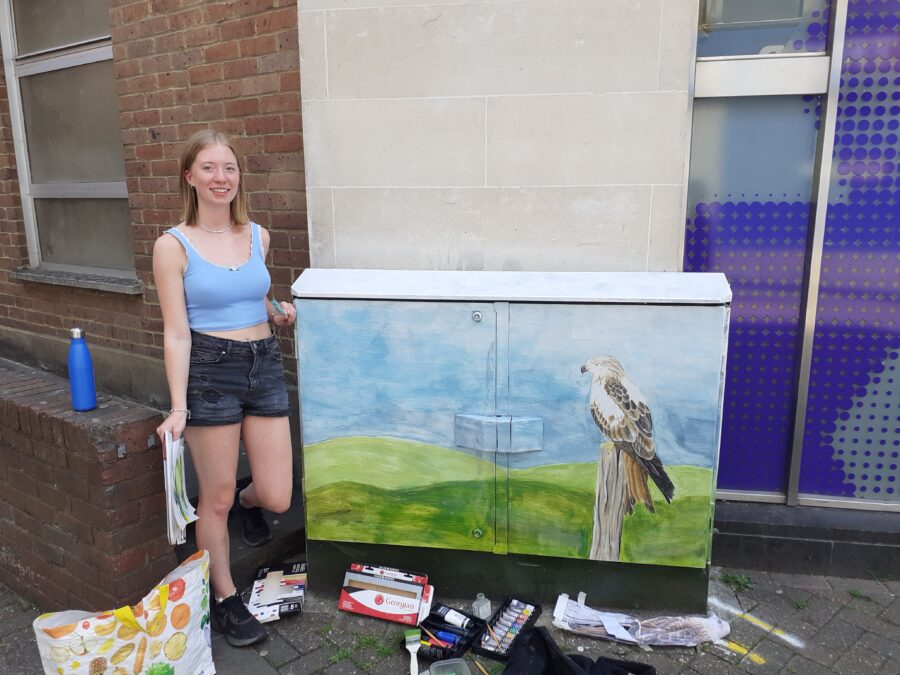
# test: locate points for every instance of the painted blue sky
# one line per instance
(404, 369)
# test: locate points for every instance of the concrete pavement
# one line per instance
(779, 624)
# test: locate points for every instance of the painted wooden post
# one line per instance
(610, 502)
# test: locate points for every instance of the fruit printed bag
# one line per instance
(166, 633)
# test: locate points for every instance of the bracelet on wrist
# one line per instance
(183, 410)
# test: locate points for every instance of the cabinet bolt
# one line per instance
(476, 316)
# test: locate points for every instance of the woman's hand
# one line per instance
(286, 319)
(174, 423)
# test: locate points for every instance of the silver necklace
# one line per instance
(209, 229)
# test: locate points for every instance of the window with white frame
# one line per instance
(61, 86)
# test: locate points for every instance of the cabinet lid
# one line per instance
(600, 287)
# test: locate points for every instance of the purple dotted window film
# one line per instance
(851, 442)
(748, 217)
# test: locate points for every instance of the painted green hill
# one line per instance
(689, 480)
(387, 463)
(551, 510)
(385, 490)
(439, 516)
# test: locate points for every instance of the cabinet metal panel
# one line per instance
(381, 384)
(671, 361)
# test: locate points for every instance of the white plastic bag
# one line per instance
(166, 633)
(675, 631)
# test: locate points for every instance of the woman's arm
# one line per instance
(290, 316)
(169, 261)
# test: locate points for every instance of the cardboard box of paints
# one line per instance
(386, 593)
(277, 591)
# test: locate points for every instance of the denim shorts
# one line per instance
(229, 379)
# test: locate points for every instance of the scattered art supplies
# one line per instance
(511, 618)
(448, 633)
(663, 631)
(179, 510)
(277, 591)
(386, 593)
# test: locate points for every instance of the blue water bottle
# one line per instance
(81, 373)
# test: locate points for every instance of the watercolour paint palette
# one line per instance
(512, 617)
(446, 640)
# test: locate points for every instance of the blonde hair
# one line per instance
(200, 141)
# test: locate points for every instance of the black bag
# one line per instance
(534, 652)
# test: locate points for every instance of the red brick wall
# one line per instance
(82, 511)
(180, 65)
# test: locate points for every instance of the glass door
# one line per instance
(851, 440)
(749, 205)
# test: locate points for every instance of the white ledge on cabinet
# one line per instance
(581, 287)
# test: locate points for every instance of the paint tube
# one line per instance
(451, 616)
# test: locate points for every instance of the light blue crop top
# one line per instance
(225, 298)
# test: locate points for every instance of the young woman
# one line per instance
(223, 363)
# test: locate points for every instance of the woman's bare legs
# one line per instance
(214, 451)
(267, 441)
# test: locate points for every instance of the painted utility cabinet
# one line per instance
(564, 415)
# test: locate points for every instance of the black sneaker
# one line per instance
(237, 623)
(254, 530)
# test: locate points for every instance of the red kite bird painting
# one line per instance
(621, 412)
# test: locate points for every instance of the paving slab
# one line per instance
(713, 667)
(800, 665)
(813, 643)
(758, 578)
(865, 602)
(871, 622)
(306, 632)
(870, 587)
(839, 635)
(19, 653)
(313, 662)
(276, 650)
(665, 660)
(345, 667)
(891, 613)
(769, 656)
(744, 634)
(16, 615)
(819, 609)
(229, 660)
(860, 661)
(770, 606)
(880, 644)
(807, 581)
(6, 597)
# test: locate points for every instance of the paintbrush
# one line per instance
(413, 637)
(434, 639)
(478, 665)
(493, 634)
